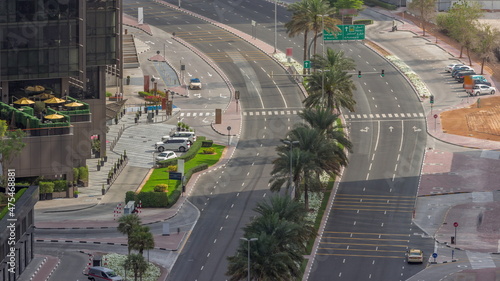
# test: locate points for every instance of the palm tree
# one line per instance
(127, 225)
(137, 264)
(284, 206)
(337, 92)
(305, 18)
(267, 262)
(141, 239)
(332, 58)
(326, 121)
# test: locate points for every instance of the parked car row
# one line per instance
(473, 83)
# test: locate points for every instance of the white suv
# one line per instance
(482, 89)
(180, 144)
(190, 135)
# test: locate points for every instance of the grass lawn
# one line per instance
(160, 175)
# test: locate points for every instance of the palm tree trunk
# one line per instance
(461, 51)
(482, 65)
(468, 55)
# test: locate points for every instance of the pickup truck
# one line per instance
(482, 89)
(195, 83)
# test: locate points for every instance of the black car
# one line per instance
(460, 76)
(463, 68)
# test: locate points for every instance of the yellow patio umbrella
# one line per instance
(54, 100)
(73, 104)
(44, 96)
(35, 89)
(24, 101)
(54, 116)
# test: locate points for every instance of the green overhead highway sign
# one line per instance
(347, 32)
(307, 64)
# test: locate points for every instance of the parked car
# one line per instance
(462, 68)
(450, 67)
(165, 155)
(482, 89)
(177, 144)
(415, 255)
(99, 273)
(190, 135)
(460, 76)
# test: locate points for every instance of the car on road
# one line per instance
(165, 155)
(99, 273)
(415, 255)
(482, 89)
(449, 67)
(179, 134)
(195, 83)
(177, 144)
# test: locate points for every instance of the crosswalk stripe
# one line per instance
(245, 114)
(194, 114)
(390, 115)
(365, 116)
(263, 113)
(276, 113)
(383, 115)
(269, 113)
(377, 115)
(251, 113)
(396, 115)
(257, 113)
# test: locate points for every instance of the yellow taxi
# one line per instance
(415, 255)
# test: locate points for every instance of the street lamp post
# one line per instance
(248, 251)
(322, 71)
(275, 25)
(290, 185)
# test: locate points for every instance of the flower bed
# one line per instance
(116, 261)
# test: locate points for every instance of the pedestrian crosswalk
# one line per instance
(275, 112)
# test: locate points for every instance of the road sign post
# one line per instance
(434, 255)
(435, 121)
(347, 32)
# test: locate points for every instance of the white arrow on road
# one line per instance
(169, 42)
(390, 128)
(364, 130)
(209, 74)
(415, 129)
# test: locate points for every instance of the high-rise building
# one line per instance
(65, 49)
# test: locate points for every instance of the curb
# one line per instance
(95, 242)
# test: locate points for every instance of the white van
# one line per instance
(99, 273)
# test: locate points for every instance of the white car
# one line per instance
(165, 155)
(177, 144)
(450, 67)
(482, 89)
(190, 135)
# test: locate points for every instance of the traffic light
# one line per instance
(432, 99)
(383, 74)
(359, 74)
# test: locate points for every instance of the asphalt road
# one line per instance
(226, 197)
(72, 261)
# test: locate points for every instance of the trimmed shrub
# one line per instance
(209, 150)
(207, 143)
(108, 94)
(372, 3)
(60, 185)
(76, 175)
(83, 173)
(144, 94)
(365, 22)
(174, 196)
(172, 168)
(153, 199)
(46, 187)
(195, 169)
(169, 162)
(161, 187)
(129, 196)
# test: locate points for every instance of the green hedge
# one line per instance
(207, 143)
(174, 197)
(188, 174)
(129, 196)
(60, 185)
(372, 3)
(144, 94)
(365, 22)
(152, 199)
(16, 197)
(46, 187)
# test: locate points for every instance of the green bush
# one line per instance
(161, 187)
(83, 173)
(372, 3)
(144, 94)
(153, 199)
(108, 94)
(207, 143)
(167, 163)
(174, 197)
(46, 187)
(129, 196)
(365, 22)
(76, 175)
(189, 173)
(209, 150)
(172, 168)
(60, 185)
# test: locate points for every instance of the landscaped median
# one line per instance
(161, 192)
